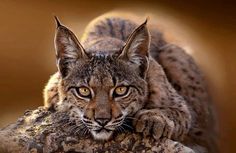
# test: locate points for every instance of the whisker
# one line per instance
(67, 124)
(118, 120)
(122, 129)
(129, 117)
(78, 131)
(73, 128)
(81, 130)
(117, 130)
(130, 127)
(87, 121)
(85, 131)
(116, 124)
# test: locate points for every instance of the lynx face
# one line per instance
(100, 89)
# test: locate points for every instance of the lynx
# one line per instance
(123, 71)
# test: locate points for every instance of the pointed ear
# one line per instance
(136, 49)
(68, 49)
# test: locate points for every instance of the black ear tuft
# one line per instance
(57, 21)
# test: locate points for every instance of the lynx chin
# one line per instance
(126, 76)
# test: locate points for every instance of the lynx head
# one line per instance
(102, 90)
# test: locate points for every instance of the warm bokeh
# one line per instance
(205, 29)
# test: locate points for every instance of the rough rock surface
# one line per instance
(45, 131)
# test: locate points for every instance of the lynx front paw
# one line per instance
(153, 123)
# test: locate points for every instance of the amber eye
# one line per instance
(121, 91)
(83, 91)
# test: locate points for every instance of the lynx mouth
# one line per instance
(102, 134)
(102, 130)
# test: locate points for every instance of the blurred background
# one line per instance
(207, 30)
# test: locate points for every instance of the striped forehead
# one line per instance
(101, 76)
(101, 81)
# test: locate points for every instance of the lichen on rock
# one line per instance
(45, 131)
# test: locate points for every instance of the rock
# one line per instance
(46, 131)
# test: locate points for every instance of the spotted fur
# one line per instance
(167, 95)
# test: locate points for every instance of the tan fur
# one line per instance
(177, 105)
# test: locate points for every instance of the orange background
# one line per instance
(205, 29)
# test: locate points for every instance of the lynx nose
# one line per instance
(102, 121)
